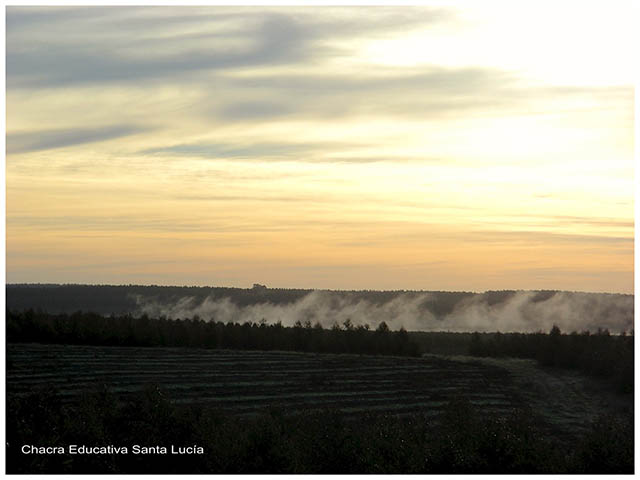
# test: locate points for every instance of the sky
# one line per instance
(449, 146)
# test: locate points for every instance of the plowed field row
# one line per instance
(242, 382)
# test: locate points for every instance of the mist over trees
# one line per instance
(505, 311)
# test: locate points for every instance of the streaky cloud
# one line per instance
(254, 110)
(40, 53)
(37, 140)
(262, 151)
(427, 92)
(278, 39)
(308, 152)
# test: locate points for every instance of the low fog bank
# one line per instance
(523, 311)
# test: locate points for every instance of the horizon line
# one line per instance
(311, 289)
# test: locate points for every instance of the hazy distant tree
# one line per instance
(383, 327)
(550, 353)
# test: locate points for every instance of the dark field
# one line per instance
(245, 382)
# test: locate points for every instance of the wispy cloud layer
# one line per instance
(199, 40)
(344, 143)
(260, 151)
(33, 141)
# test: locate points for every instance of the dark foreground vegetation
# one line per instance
(596, 354)
(459, 440)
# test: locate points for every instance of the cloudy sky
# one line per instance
(451, 146)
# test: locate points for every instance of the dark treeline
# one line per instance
(125, 330)
(458, 440)
(597, 354)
